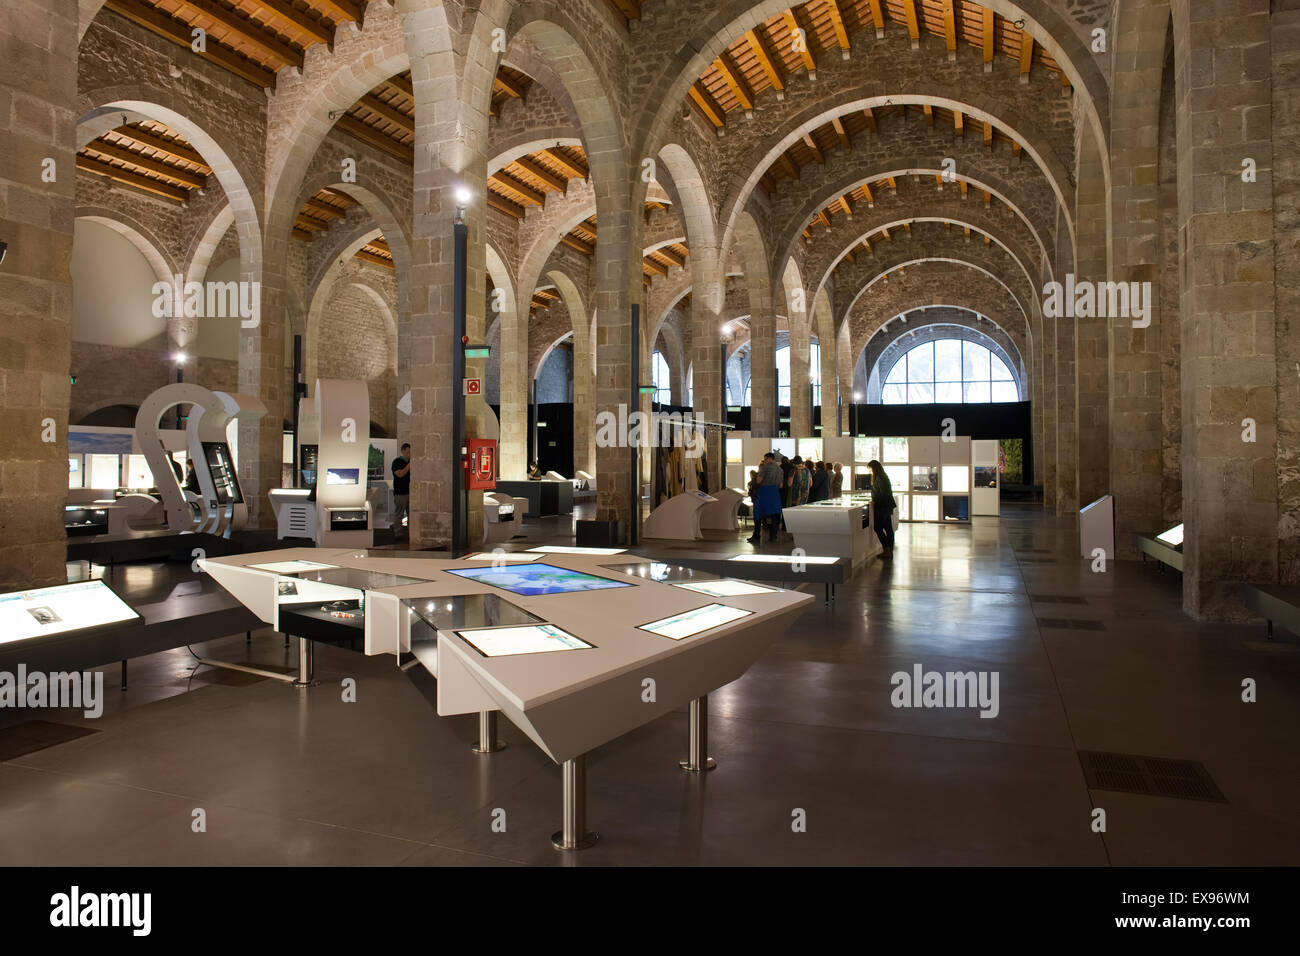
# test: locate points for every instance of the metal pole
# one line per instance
(306, 663)
(697, 738)
(574, 835)
(296, 481)
(460, 233)
(124, 673)
(487, 742)
(634, 405)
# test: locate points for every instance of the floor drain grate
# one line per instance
(33, 735)
(1070, 624)
(1150, 776)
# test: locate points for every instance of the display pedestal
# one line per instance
(600, 534)
(678, 518)
(1097, 528)
(833, 531)
(723, 515)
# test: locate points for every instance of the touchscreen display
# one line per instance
(528, 639)
(342, 476)
(225, 482)
(725, 587)
(533, 579)
(291, 567)
(697, 621)
(64, 607)
(1173, 537)
(560, 549)
(503, 557)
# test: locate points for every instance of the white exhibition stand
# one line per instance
(295, 516)
(588, 481)
(678, 517)
(724, 513)
(343, 516)
(833, 530)
(985, 498)
(1097, 528)
(568, 701)
(503, 517)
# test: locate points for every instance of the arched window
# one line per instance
(661, 379)
(949, 370)
(782, 377)
(815, 371)
(690, 385)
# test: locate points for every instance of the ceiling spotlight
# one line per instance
(463, 195)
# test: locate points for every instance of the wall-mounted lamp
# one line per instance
(4, 247)
(463, 197)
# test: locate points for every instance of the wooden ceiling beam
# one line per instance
(990, 29)
(181, 175)
(318, 31)
(767, 58)
(988, 135)
(575, 168)
(247, 30)
(866, 191)
(929, 114)
(389, 112)
(837, 24)
(805, 54)
(573, 242)
(1026, 55)
(814, 148)
(958, 122)
(368, 134)
(135, 180)
(342, 9)
(950, 28)
(508, 85)
(631, 9)
(323, 210)
(735, 80)
(913, 25)
(838, 126)
(507, 206)
(301, 233)
(309, 224)
(871, 119)
(165, 146)
(539, 172)
(788, 165)
(673, 256)
(878, 18)
(525, 192)
(365, 255)
(845, 205)
(707, 105)
(658, 268)
(403, 85)
(159, 23)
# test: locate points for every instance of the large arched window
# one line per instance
(815, 371)
(661, 379)
(949, 370)
(690, 385)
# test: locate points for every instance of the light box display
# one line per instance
(689, 623)
(536, 579)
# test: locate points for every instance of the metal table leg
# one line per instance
(487, 742)
(574, 835)
(306, 663)
(124, 673)
(697, 741)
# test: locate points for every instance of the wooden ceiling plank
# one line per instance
(1026, 55)
(128, 178)
(767, 58)
(182, 175)
(707, 105)
(159, 23)
(837, 24)
(657, 268)
(402, 83)
(573, 242)
(301, 233)
(389, 112)
(341, 9)
(990, 24)
(247, 30)
(370, 257)
(734, 77)
(368, 134)
(539, 172)
(502, 204)
(878, 18)
(950, 28)
(508, 84)
(317, 30)
(814, 148)
(913, 25)
(323, 210)
(530, 195)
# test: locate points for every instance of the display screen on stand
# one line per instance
(64, 607)
(222, 468)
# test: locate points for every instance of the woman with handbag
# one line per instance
(882, 506)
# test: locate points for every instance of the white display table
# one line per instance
(840, 529)
(723, 515)
(678, 517)
(295, 516)
(607, 641)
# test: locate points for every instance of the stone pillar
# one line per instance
(515, 387)
(708, 296)
(584, 376)
(262, 360)
(1092, 334)
(38, 99)
(829, 390)
(1137, 392)
(614, 341)
(1067, 421)
(800, 399)
(1230, 484)
(1047, 453)
(762, 367)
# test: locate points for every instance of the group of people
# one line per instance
(781, 483)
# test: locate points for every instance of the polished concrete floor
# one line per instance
(1101, 662)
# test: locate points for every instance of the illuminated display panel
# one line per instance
(735, 454)
(525, 639)
(510, 557)
(291, 567)
(562, 549)
(925, 508)
(689, 623)
(1173, 537)
(40, 612)
(866, 449)
(537, 579)
(782, 559)
(895, 449)
(725, 587)
(956, 479)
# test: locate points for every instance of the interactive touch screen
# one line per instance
(506, 557)
(534, 579)
(342, 476)
(54, 610)
(291, 567)
(529, 639)
(1173, 537)
(782, 559)
(560, 549)
(725, 587)
(222, 468)
(697, 621)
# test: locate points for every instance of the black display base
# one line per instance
(600, 534)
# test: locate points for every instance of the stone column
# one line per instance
(1230, 480)
(800, 399)
(38, 114)
(1092, 334)
(1067, 421)
(829, 389)
(614, 340)
(762, 366)
(515, 386)
(708, 296)
(1047, 474)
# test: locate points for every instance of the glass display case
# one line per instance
(810, 448)
(986, 476)
(895, 450)
(80, 522)
(924, 508)
(925, 478)
(866, 449)
(956, 479)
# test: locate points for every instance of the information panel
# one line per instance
(529, 639)
(505, 557)
(222, 467)
(55, 610)
(1173, 537)
(697, 621)
(291, 567)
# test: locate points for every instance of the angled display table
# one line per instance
(838, 528)
(576, 647)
